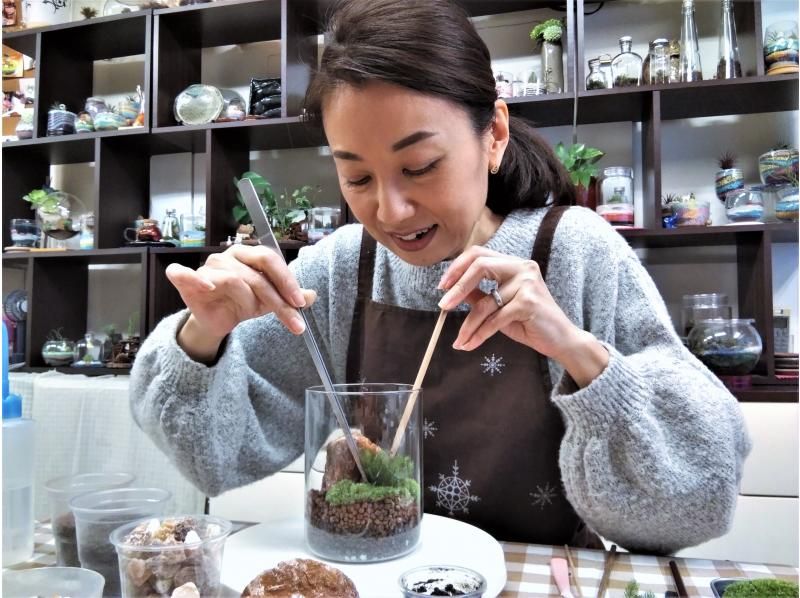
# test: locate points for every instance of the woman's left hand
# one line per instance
(527, 314)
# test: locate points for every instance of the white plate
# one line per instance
(443, 541)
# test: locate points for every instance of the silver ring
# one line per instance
(497, 298)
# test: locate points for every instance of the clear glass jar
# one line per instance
(769, 194)
(502, 84)
(728, 347)
(658, 66)
(781, 48)
(728, 64)
(170, 227)
(616, 196)
(605, 68)
(595, 79)
(626, 67)
(348, 519)
(322, 222)
(744, 206)
(691, 70)
(778, 166)
(674, 61)
(786, 206)
(58, 351)
(88, 351)
(702, 306)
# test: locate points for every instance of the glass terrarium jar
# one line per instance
(626, 67)
(786, 205)
(781, 48)
(744, 206)
(58, 351)
(88, 351)
(595, 79)
(690, 211)
(348, 519)
(703, 306)
(616, 196)
(728, 347)
(778, 166)
(24, 232)
(657, 71)
(198, 105)
(60, 215)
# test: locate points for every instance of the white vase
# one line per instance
(39, 13)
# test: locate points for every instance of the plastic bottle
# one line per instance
(18, 434)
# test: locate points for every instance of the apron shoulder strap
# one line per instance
(544, 238)
(541, 255)
(366, 265)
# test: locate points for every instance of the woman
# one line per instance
(563, 395)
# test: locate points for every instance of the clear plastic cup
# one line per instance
(97, 514)
(60, 491)
(148, 569)
(53, 581)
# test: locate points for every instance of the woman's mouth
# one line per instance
(415, 240)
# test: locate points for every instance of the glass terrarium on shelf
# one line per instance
(730, 348)
(58, 212)
(626, 67)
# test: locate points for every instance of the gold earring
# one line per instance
(495, 169)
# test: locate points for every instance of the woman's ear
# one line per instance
(499, 135)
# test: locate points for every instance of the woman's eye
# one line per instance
(359, 183)
(422, 171)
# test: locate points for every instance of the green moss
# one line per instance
(385, 470)
(346, 492)
(762, 588)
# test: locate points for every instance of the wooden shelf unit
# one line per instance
(172, 41)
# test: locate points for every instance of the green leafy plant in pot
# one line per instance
(59, 212)
(547, 34)
(580, 162)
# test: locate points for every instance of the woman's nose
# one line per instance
(393, 205)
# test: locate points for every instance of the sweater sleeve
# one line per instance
(243, 418)
(654, 447)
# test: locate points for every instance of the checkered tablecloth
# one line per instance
(528, 567)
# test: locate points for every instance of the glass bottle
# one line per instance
(170, 228)
(605, 68)
(728, 66)
(691, 70)
(659, 62)
(674, 61)
(627, 65)
(595, 79)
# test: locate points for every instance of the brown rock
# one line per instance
(301, 578)
(340, 465)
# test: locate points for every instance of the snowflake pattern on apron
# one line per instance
(453, 493)
(429, 429)
(492, 365)
(543, 497)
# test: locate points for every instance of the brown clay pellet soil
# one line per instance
(66, 541)
(362, 531)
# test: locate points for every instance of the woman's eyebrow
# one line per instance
(396, 147)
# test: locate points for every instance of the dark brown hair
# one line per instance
(432, 47)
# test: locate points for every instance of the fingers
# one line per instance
(510, 314)
(186, 278)
(493, 266)
(483, 307)
(267, 261)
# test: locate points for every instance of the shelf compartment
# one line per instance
(59, 290)
(86, 371)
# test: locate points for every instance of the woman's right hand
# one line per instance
(241, 283)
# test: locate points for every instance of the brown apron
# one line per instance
(491, 433)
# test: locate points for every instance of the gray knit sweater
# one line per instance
(653, 450)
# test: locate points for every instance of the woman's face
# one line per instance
(413, 170)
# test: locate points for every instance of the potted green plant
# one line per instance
(548, 34)
(580, 162)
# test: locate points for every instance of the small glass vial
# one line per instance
(659, 62)
(605, 68)
(595, 79)
(690, 47)
(728, 65)
(627, 65)
(616, 196)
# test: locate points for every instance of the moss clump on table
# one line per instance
(762, 588)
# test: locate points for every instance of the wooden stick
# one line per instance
(423, 368)
(676, 575)
(573, 571)
(612, 556)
